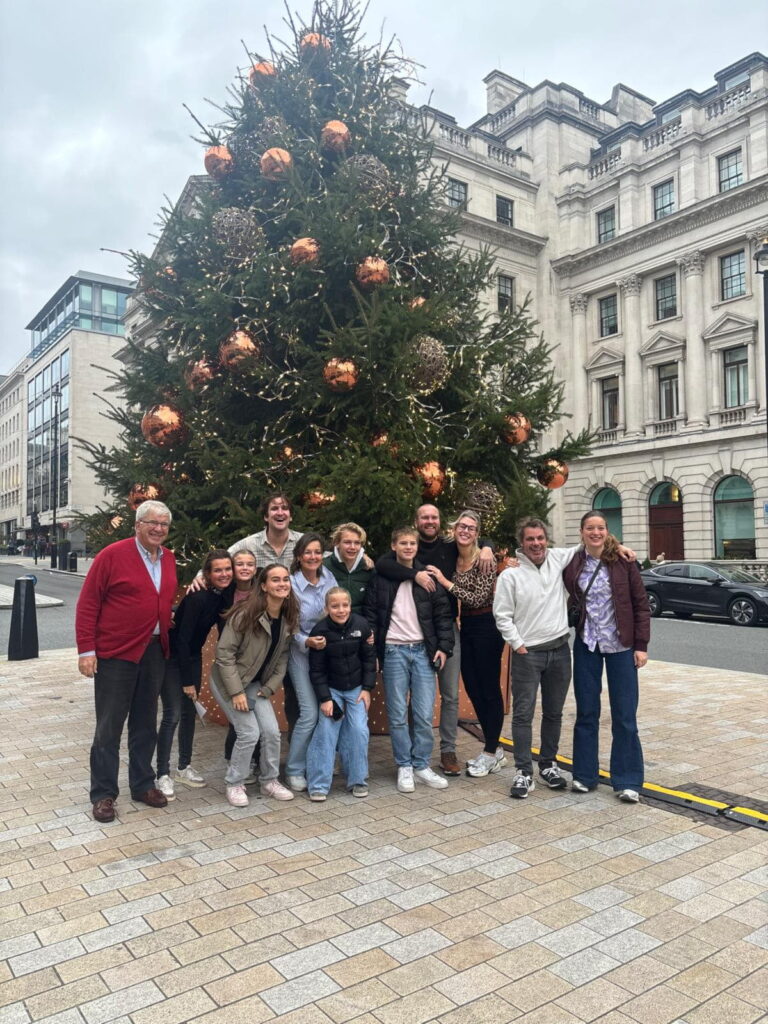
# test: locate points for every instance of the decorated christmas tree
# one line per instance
(311, 324)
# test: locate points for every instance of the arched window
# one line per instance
(666, 494)
(608, 501)
(734, 503)
(665, 522)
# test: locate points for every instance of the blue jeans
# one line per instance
(256, 725)
(407, 670)
(298, 667)
(351, 734)
(626, 752)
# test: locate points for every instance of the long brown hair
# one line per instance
(245, 617)
(611, 546)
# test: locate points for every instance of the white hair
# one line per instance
(153, 508)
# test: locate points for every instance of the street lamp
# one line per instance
(761, 268)
(56, 395)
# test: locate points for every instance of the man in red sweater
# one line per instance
(122, 621)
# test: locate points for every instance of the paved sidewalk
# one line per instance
(459, 906)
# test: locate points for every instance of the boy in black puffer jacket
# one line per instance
(343, 673)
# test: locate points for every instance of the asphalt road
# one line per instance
(709, 642)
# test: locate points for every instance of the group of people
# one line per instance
(291, 615)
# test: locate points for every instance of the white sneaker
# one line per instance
(430, 778)
(405, 779)
(501, 756)
(485, 764)
(276, 790)
(628, 796)
(237, 796)
(296, 782)
(189, 777)
(165, 785)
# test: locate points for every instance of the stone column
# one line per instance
(692, 265)
(633, 366)
(580, 410)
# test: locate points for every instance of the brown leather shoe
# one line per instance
(152, 798)
(449, 763)
(104, 810)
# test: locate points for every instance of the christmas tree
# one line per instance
(311, 324)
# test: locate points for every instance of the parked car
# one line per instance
(689, 588)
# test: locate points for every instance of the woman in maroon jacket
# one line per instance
(613, 629)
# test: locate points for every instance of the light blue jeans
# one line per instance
(351, 734)
(298, 668)
(257, 723)
(407, 670)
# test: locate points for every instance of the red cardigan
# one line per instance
(119, 606)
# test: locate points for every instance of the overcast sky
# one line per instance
(94, 133)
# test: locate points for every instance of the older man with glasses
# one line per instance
(122, 621)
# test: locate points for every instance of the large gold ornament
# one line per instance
(340, 374)
(305, 250)
(319, 499)
(261, 73)
(276, 164)
(552, 474)
(219, 162)
(372, 272)
(237, 232)
(163, 426)
(517, 428)
(432, 476)
(237, 349)
(486, 499)
(432, 365)
(335, 137)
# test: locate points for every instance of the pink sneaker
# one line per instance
(237, 796)
(276, 790)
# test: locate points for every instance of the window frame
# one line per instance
(454, 187)
(738, 371)
(505, 299)
(609, 402)
(658, 299)
(603, 322)
(606, 235)
(725, 184)
(727, 289)
(507, 220)
(668, 395)
(664, 209)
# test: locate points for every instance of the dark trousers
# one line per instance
(123, 689)
(627, 767)
(550, 670)
(178, 710)
(481, 649)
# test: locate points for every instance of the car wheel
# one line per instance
(683, 615)
(743, 612)
(654, 603)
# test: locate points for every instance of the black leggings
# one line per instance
(481, 649)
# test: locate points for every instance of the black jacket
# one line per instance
(440, 552)
(433, 611)
(347, 660)
(192, 622)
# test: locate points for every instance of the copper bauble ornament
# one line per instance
(276, 164)
(219, 162)
(340, 374)
(305, 250)
(552, 474)
(335, 137)
(367, 174)
(372, 272)
(237, 349)
(237, 232)
(261, 73)
(432, 475)
(140, 493)
(313, 43)
(517, 428)
(381, 440)
(432, 366)
(318, 499)
(198, 374)
(163, 426)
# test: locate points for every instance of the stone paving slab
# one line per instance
(41, 600)
(458, 906)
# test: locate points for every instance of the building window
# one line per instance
(666, 296)
(734, 503)
(609, 393)
(735, 364)
(505, 293)
(734, 80)
(663, 199)
(606, 224)
(608, 502)
(456, 194)
(729, 171)
(503, 211)
(668, 394)
(609, 317)
(732, 276)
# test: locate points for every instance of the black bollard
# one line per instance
(22, 641)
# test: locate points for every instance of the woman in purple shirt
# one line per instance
(613, 630)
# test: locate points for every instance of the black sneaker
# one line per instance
(522, 785)
(553, 777)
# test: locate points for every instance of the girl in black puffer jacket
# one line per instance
(343, 673)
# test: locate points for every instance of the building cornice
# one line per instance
(485, 231)
(722, 205)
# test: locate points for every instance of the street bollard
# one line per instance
(22, 641)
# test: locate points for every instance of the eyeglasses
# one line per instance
(154, 524)
(466, 528)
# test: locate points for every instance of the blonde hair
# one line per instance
(337, 590)
(468, 513)
(348, 528)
